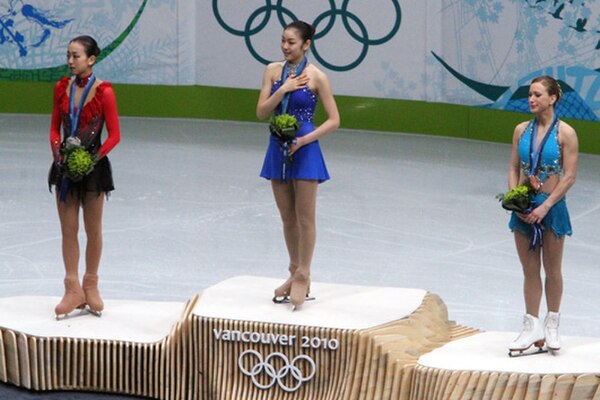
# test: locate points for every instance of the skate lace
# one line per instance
(552, 322)
(527, 328)
(552, 335)
(552, 329)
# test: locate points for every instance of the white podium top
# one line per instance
(122, 320)
(488, 351)
(248, 298)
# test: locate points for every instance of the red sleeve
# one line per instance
(111, 117)
(55, 122)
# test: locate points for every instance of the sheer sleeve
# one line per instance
(56, 122)
(111, 117)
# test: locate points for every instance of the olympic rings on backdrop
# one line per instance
(277, 376)
(264, 12)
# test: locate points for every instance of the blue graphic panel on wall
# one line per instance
(34, 35)
(24, 26)
(473, 52)
(502, 45)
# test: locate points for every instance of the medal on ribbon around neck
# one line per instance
(74, 115)
(77, 161)
(535, 155)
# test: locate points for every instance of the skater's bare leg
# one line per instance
(306, 199)
(92, 220)
(284, 194)
(68, 214)
(532, 332)
(531, 264)
(552, 256)
(92, 217)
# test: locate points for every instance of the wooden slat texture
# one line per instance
(33, 362)
(12, 358)
(23, 357)
(432, 383)
(190, 363)
(585, 387)
(3, 372)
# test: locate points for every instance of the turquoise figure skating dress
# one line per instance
(557, 219)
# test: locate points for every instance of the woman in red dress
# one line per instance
(83, 104)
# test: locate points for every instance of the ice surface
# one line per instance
(189, 211)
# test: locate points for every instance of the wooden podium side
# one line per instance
(478, 367)
(433, 383)
(232, 342)
(374, 363)
(142, 367)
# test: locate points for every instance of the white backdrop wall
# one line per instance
(473, 52)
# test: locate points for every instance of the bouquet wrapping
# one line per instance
(76, 160)
(517, 199)
(284, 126)
(520, 199)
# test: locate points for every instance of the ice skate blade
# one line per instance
(553, 352)
(281, 299)
(524, 352)
(93, 312)
(81, 309)
(286, 299)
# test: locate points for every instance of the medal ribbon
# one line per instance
(284, 104)
(284, 75)
(74, 116)
(538, 238)
(535, 157)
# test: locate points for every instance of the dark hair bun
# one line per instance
(89, 43)
(306, 30)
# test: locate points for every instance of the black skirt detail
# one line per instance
(100, 180)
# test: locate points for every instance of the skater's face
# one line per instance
(539, 98)
(78, 61)
(292, 45)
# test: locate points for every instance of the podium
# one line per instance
(353, 342)
(130, 351)
(477, 367)
(232, 342)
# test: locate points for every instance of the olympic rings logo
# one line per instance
(274, 375)
(251, 28)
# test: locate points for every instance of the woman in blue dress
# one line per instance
(295, 168)
(544, 156)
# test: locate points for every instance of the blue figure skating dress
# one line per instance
(308, 162)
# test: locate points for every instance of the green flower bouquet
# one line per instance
(77, 161)
(517, 199)
(284, 126)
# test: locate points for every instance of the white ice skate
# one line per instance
(532, 334)
(551, 331)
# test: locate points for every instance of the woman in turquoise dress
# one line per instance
(544, 157)
(295, 168)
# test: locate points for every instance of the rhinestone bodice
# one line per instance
(302, 104)
(550, 161)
